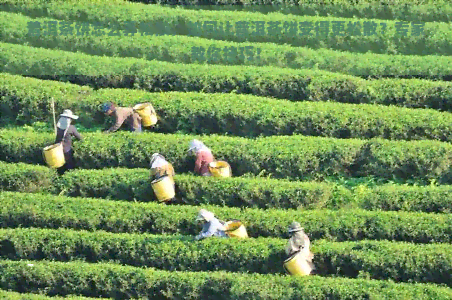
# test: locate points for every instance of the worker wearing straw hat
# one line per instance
(211, 227)
(160, 167)
(122, 115)
(203, 157)
(298, 242)
(65, 132)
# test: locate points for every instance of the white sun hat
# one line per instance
(205, 215)
(68, 114)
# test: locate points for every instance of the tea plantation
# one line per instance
(336, 114)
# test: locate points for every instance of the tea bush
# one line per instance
(434, 40)
(46, 211)
(381, 260)
(123, 282)
(240, 115)
(179, 49)
(293, 157)
(155, 76)
(135, 185)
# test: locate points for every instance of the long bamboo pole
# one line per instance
(54, 118)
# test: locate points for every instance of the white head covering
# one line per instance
(158, 160)
(205, 215)
(64, 123)
(65, 119)
(197, 145)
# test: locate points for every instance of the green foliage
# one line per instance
(421, 10)
(19, 296)
(435, 40)
(45, 211)
(294, 157)
(178, 49)
(417, 10)
(28, 100)
(24, 100)
(382, 260)
(23, 177)
(135, 185)
(155, 76)
(124, 282)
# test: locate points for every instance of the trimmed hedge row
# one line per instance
(436, 38)
(123, 282)
(426, 11)
(239, 115)
(134, 185)
(24, 100)
(27, 178)
(401, 262)
(418, 10)
(19, 296)
(45, 211)
(101, 72)
(178, 49)
(294, 157)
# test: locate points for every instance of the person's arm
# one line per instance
(198, 163)
(290, 247)
(118, 123)
(307, 242)
(210, 231)
(76, 134)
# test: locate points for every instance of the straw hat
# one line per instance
(205, 215)
(68, 114)
(295, 227)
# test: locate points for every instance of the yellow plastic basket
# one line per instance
(164, 188)
(220, 169)
(297, 264)
(54, 155)
(147, 114)
(235, 229)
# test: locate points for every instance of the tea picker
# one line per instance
(122, 115)
(203, 155)
(60, 155)
(162, 173)
(205, 164)
(213, 227)
(299, 261)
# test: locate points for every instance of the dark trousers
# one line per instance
(70, 163)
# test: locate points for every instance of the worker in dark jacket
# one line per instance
(203, 157)
(65, 132)
(299, 242)
(211, 227)
(122, 115)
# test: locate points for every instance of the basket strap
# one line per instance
(285, 269)
(64, 134)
